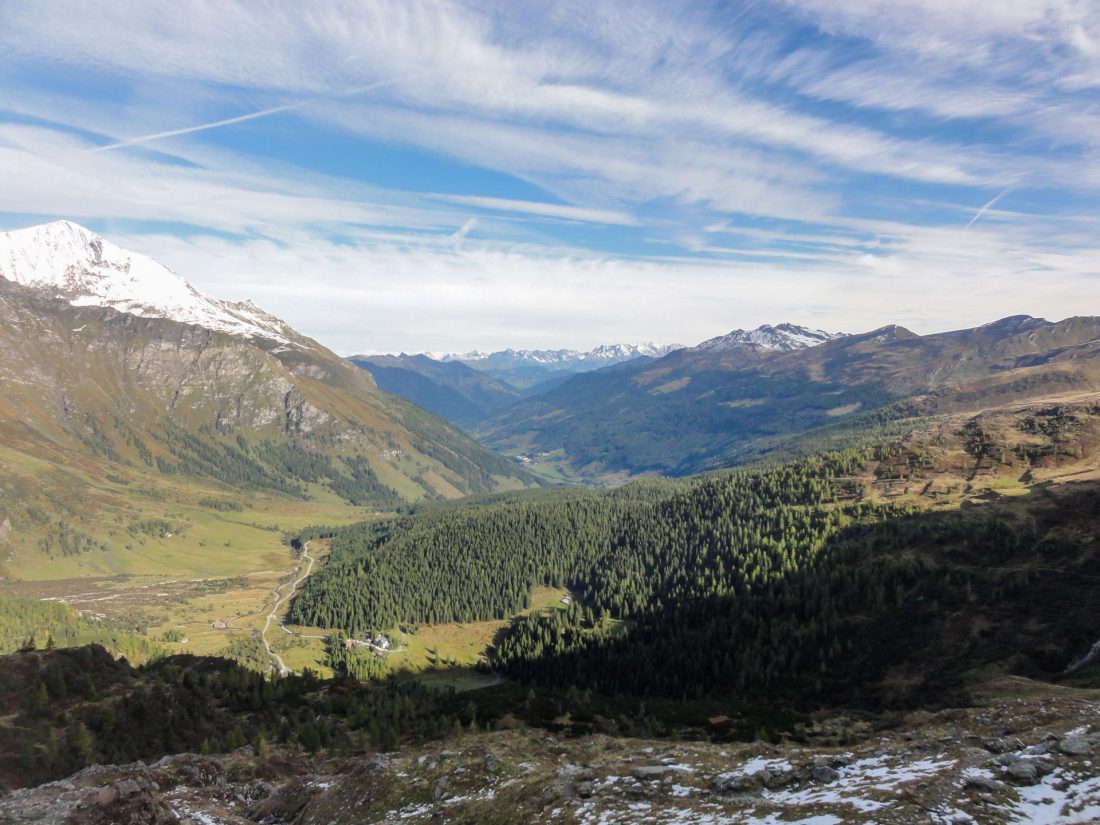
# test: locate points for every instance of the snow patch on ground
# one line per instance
(857, 782)
(1059, 798)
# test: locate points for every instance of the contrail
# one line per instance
(229, 121)
(983, 210)
(201, 127)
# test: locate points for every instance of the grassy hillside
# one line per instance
(125, 437)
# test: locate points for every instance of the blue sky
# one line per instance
(434, 175)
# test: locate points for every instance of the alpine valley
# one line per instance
(784, 575)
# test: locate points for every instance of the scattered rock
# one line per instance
(824, 774)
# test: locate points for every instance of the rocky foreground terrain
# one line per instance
(1028, 753)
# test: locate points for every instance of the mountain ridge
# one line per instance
(450, 389)
(783, 337)
(696, 410)
(529, 372)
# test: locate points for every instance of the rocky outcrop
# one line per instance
(1015, 760)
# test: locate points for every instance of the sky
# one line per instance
(422, 175)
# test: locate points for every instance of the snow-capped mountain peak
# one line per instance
(625, 352)
(83, 268)
(768, 338)
(603, 355)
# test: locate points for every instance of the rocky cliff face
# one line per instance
(69, 361)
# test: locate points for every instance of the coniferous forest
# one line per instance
(775, 582)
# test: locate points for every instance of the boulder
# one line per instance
(1022, 772)
(1075, 746)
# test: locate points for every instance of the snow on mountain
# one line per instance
(768, 338)
(82, 268)
(601, 356)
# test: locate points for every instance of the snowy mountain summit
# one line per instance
(601, 356)
(79, 266)
(768, 338)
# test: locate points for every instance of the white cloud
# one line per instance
(380, 293)
(957, 59)
(444, 58)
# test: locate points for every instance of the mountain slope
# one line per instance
(450, 389)
(708, 407)
(91, 392)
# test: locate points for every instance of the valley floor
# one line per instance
(219, 615)
(1025, 754)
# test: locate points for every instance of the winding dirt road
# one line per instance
(308, 560)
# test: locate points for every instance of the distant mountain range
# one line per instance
(745, 395)
(531, 369)
(467, 387)
(113, 366)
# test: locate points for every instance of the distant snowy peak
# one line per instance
(768, 338)
(86, 270)
(625, 352)
(603, 355)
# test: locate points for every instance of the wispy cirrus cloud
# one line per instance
(805, 159)
(546, 210)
